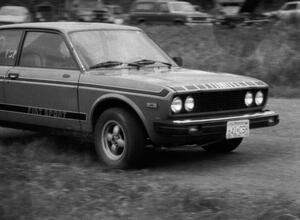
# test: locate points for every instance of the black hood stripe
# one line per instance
(162, 93)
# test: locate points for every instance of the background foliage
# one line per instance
(270, 53)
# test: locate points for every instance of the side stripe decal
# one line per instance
(53, 113)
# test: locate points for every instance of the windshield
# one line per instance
(7, 10)
(182, 7)
(124, 46)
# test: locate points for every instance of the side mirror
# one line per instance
(178, 61)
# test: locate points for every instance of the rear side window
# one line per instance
(163, 7)
(46, 50)
(290, 7)
(144, 7)
(9, 43)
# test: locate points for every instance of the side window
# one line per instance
(290, 7)
(9, 43)
(144, 7)
(46, 50)
(163, 7)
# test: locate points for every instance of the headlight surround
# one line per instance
(176, 105)
(259, 98)
(189, 104)
(249, 99)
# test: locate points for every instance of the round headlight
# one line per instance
(176, 105)
(259, 98)
(248, 99)
(189, 104)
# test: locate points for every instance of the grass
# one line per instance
(56, 178)
(50, 190)
(270, 53)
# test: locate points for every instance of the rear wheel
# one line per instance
(141, 22)
(179, 23)
(224, 146)
(119, 139)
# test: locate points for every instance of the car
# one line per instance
(90, 11)
(85, 15)
(243, 19)
(167, 12)
(239, 13)
(288, 10)
(14, 14)
(113, 82)
(116, 14)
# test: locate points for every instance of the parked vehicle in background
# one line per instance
(14, 14)
(239, 13)
(116, 14)
(286, 11)
(242, 19)
(230, 8)
(166, 12)
(45, 12)
(101, 13)
(85, 15)
(93, 15)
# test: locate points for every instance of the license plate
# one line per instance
(237, 129)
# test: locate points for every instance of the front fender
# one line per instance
(120, 98)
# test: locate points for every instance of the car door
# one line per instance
(42, 88)
(145, 12)
(9, 43)
(164, 16)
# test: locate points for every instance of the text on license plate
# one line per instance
(237, 129)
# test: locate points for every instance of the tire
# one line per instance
(141, 22)
(225, 146)
(178, 23)
(120, 139)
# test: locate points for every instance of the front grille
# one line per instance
(208, 102)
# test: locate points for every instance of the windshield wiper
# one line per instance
(144, 62)
(106, 64)
(138, 63)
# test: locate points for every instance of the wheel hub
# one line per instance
(113, 140)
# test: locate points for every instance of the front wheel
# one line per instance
(119, 139)
(224, 146)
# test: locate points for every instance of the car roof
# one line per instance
(69, 26)
(293, 2)
(13, 7)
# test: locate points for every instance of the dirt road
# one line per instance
(45, 178)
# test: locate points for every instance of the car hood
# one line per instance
(176, 80)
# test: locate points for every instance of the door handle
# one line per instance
(13, 75)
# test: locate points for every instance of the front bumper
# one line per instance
(213, 126)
